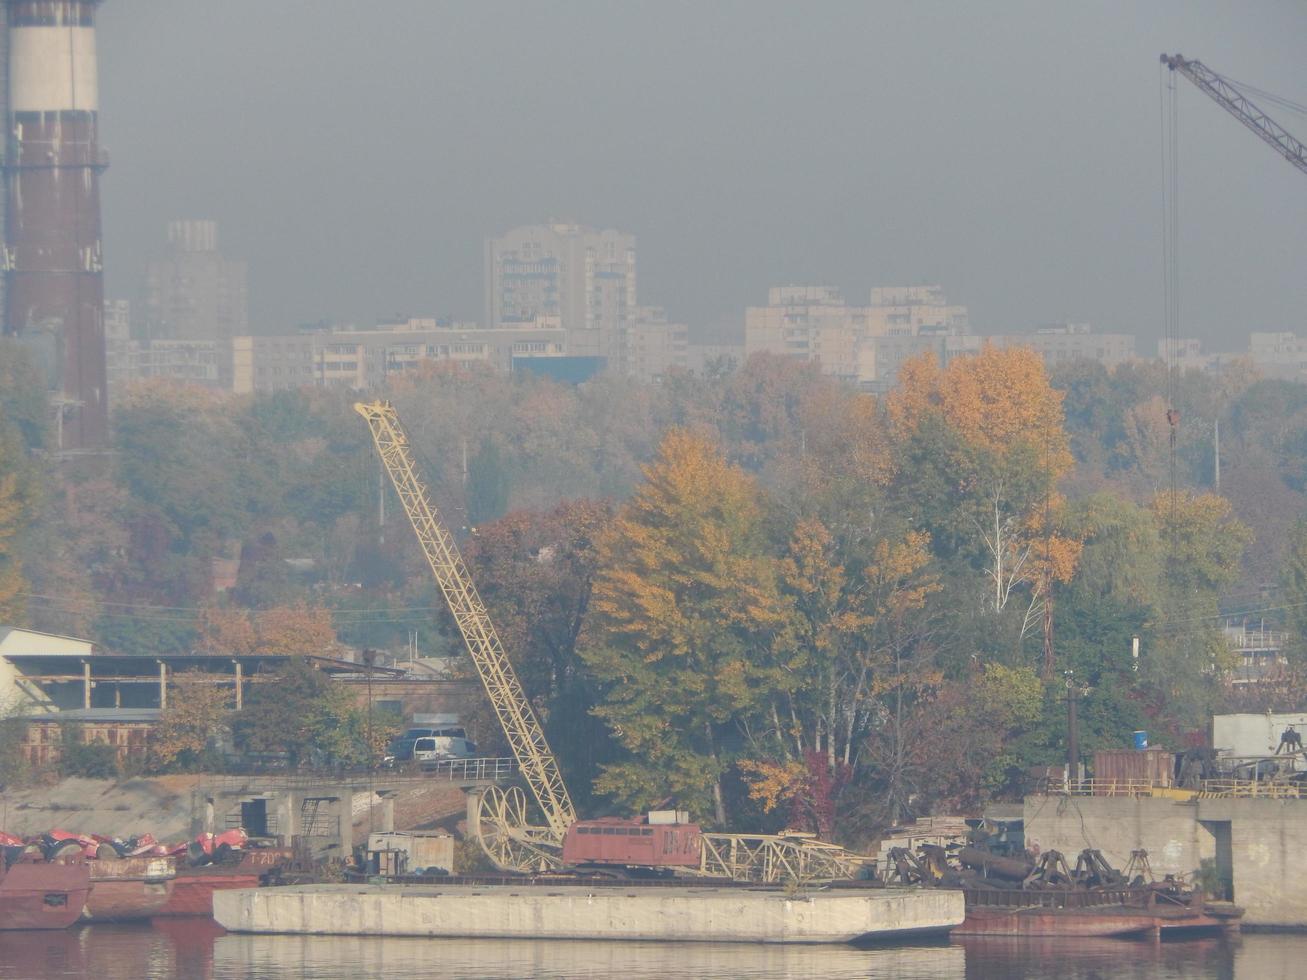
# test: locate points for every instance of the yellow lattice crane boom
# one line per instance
(526, 736)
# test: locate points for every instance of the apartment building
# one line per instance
(193, 291)
(1064, 342)
(863, 345)
(905, 311)
(584, 277)
(363, 358)
(651, 346)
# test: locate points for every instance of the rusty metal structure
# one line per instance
(54, 282)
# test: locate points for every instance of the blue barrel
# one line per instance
(1141, 740)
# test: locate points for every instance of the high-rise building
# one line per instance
(861, 344)
(905, 311)
(651, 346)
(194, 292)
(583, 276)
(54, 281)
(1060, 343)
(813, 323)
(365, 358)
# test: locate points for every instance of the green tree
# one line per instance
(197, 711)
(1202, 544)
(1293, 595)
(488, 484)
(12, 584)
(299, 712)
(684, 610)
(536, 571)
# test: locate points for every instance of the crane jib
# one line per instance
(526, 736)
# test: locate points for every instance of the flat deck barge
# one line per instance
(688, 913)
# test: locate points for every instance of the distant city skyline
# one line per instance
(1009, 151)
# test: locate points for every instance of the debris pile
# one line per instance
(61, 845)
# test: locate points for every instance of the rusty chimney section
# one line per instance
(54, 283)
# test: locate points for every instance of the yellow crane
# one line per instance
(526, 736)
(501, 822)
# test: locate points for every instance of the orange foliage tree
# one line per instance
(684, 606)
(993, 425)
(196, 710)
(293, 630)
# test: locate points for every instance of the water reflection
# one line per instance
(342, 957)
(200, 951)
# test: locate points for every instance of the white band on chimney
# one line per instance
(52, 69)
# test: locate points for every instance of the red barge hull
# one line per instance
(1101, 921)
(37, 895)
(1053, 922)
(193, 888)
(125, 889)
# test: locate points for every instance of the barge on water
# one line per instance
(1104, 912)
(37, 894)
(686, 913)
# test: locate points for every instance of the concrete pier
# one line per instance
(689, 914)
(1257, 848)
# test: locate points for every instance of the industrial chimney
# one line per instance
(54, 284)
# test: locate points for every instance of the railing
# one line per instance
(1111, 787)
(472, 770)
(1209, 789)
(1253, 789)
(1059, 898)
(489, 769)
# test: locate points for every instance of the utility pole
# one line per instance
(1072, 733)
(1216, 451)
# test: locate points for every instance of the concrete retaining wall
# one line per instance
(577, 912)
(1259, 847)
(1268, 856)
(1176, 842)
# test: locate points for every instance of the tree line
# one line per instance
(764, 593)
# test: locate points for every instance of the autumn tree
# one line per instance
(952, 750)
(196, 712)
(298, 711)
(535, 571)
(684, 609)
(849, 609)
(983, 445)
(298, 630)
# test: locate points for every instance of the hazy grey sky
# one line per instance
(358, 153)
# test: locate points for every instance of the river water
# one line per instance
(200, 951)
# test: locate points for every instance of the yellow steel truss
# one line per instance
(772, 858)
(525, 735)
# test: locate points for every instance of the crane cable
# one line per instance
(1170, 265)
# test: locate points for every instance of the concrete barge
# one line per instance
(688, 914)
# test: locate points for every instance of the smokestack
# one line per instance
(54, 296)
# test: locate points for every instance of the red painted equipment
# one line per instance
(632, 843)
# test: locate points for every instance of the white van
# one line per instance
(430, 749)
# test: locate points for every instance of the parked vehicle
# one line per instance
(402, 748)
(439, 748)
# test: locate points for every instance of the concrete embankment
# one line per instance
(1257, 849)
(689, 914)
